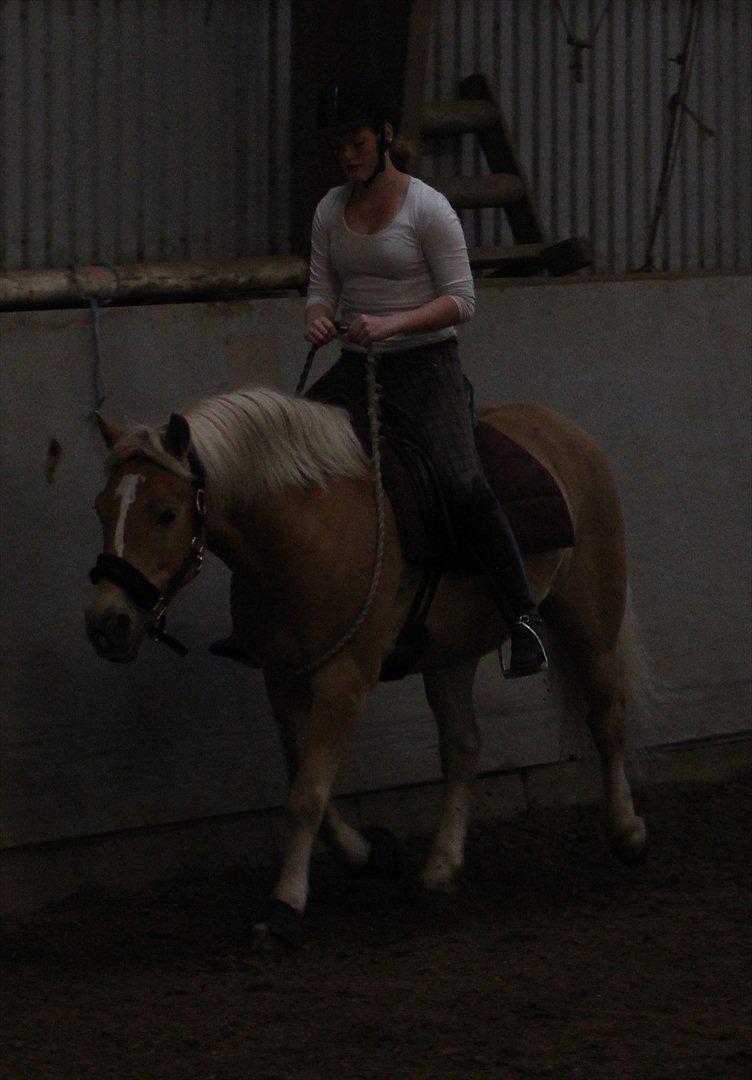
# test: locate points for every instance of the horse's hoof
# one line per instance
(384, 855)
(632, 849)
(439, 877)
(435, 902)
(632, 856)
(264, 943)
(278, 929)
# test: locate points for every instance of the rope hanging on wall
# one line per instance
(678, 107)
(95, 304)
(580, 44)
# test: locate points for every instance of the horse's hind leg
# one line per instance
(450, 695)
(624, 829)
(591, 643)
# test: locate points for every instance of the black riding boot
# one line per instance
(483, 526)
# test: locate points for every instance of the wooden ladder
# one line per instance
(478, 112)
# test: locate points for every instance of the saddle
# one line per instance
(529, 495)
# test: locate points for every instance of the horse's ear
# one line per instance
(177, 438)
(109, 432)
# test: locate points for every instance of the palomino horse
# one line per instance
(281, 491)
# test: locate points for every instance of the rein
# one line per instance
(137, 586)
(373, 427)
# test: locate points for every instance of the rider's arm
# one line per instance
(445, 252)
(324, 284)
(436, 315)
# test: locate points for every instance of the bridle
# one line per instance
(146, 596)
(137, 586)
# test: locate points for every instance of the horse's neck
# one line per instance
(301, 529)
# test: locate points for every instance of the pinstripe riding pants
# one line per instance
(427, 387)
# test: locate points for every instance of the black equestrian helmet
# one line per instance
(351, 102)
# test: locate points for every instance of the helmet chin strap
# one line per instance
(384, 145)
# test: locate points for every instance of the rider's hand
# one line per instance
(320, 331)
(366, 330)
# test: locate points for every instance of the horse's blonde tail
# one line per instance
(644, 699)
(644, 695)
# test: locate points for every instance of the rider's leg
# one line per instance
(483, 527)
(429, 388)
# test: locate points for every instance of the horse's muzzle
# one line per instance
(112, 633)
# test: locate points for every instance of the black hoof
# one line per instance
(385, 857)
(631, 857)
(278, 928)
(262, 940)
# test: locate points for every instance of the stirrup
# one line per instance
(533, 659)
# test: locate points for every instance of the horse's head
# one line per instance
(152, 512)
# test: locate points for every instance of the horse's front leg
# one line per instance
(291, 703)
(314, 749)
(450, 695)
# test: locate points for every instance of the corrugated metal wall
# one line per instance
(139, 130)
(593, 149)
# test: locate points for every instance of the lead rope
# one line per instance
(373, 427)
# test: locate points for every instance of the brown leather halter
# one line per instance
(137, 586)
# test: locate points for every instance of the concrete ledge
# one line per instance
(40, 874)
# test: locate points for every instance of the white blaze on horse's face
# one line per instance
(147, 516)
(126, 489)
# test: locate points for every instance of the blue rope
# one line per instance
(95, 306)
(98, 391)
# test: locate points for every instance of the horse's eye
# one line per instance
(166, 517)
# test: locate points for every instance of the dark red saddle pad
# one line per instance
(531, 498)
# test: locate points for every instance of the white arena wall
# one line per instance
(116, 775)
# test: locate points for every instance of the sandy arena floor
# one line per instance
(551, 960)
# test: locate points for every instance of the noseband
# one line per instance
(140, 590)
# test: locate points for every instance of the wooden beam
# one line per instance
(20, 289)
(457, 117)
(516, 257)
(483, 190)
(564, 257)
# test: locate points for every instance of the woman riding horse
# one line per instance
(389, 251)
(271, 484)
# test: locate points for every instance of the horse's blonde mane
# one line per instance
(256, 442)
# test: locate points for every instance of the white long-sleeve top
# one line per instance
(418, 257)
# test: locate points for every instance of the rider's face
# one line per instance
(357, 152)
